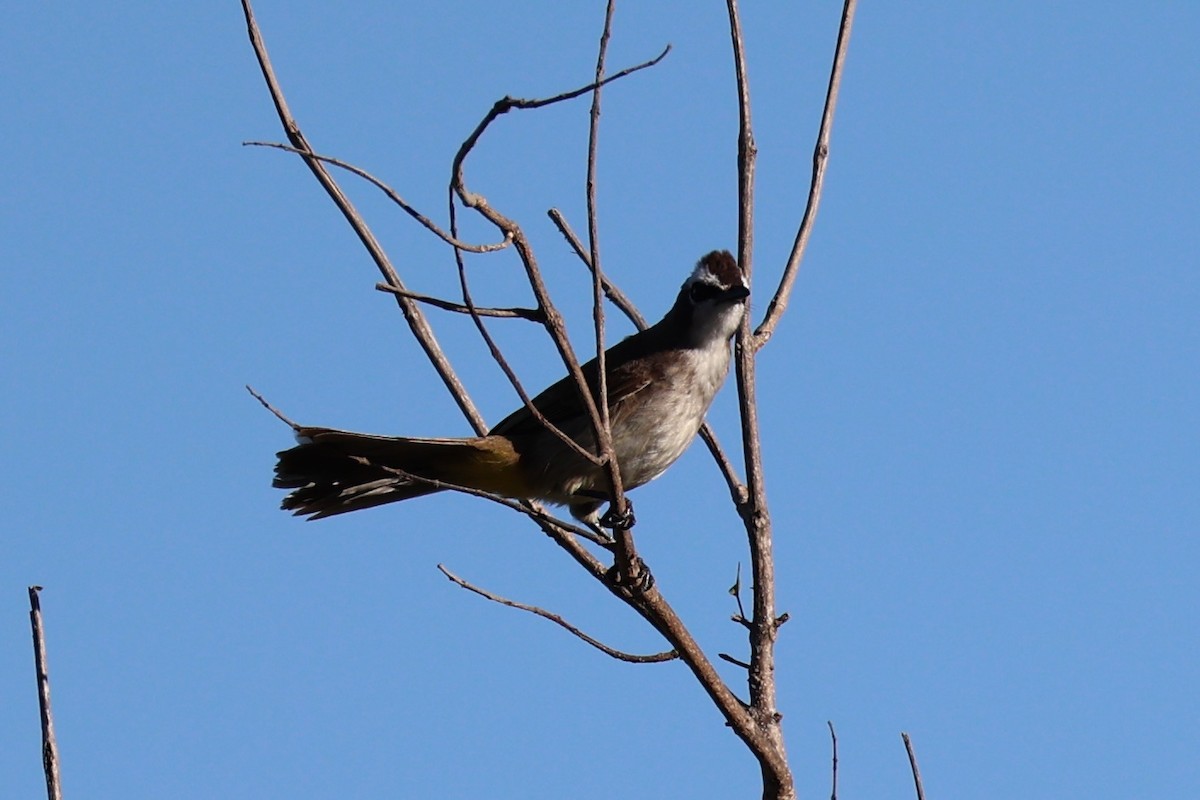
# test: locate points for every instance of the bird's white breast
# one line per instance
(652, 437)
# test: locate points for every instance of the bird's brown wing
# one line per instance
(560, 404)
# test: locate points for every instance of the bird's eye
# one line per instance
(699, 292)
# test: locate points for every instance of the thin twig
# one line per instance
(412, 312)
(611, 290)
(755, 513)
(736, 591)
(833, 738)
(527, 507)
(732, 660)
(625, 551)
(271, 408)
(531, 314)
(779, 302)
(747, 149)
(620, 655)
(392, 194)
(768, 748)
(507, 103)
(49, 744)
(912, 762)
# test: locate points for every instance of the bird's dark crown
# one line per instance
(720, 267)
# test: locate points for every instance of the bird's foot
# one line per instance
(614, 520)
(639, 579)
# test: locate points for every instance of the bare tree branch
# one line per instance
(656, 658)
(279, 414)
(732, 660)
(527, 507)
(412, 312)
(833, 738)
(625, 551)
(912, 762)
(611, 290)
(392, 194)
(820, 156)
(49, 743)
(531, 314)
(767, 745)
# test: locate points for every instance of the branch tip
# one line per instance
(631, 658)
(912, 762)
(279, 414)
(732, 660)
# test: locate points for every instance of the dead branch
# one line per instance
(417, 323)
(912, 762)
(527, 507)
(762, 689)
(278, 414)
(49, 743)
(768, 744)
(620, 655)
(531, 314)
(611, 290)
(732, 660)
(820, 156)
(626, 554)
(833, 739)
(778, 780)
(392, 195)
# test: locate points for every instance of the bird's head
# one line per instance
(712, 300)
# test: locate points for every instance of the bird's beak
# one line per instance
(735, 294)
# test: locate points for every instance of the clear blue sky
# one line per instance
(980, 416)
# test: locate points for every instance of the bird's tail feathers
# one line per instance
(332, 471)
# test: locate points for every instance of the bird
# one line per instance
(660, 383)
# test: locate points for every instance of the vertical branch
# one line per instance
(777, 776)
(912, 762)
(833, 738)
(747, 149)
(49, 745)
(755, 511)
(626, 556)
